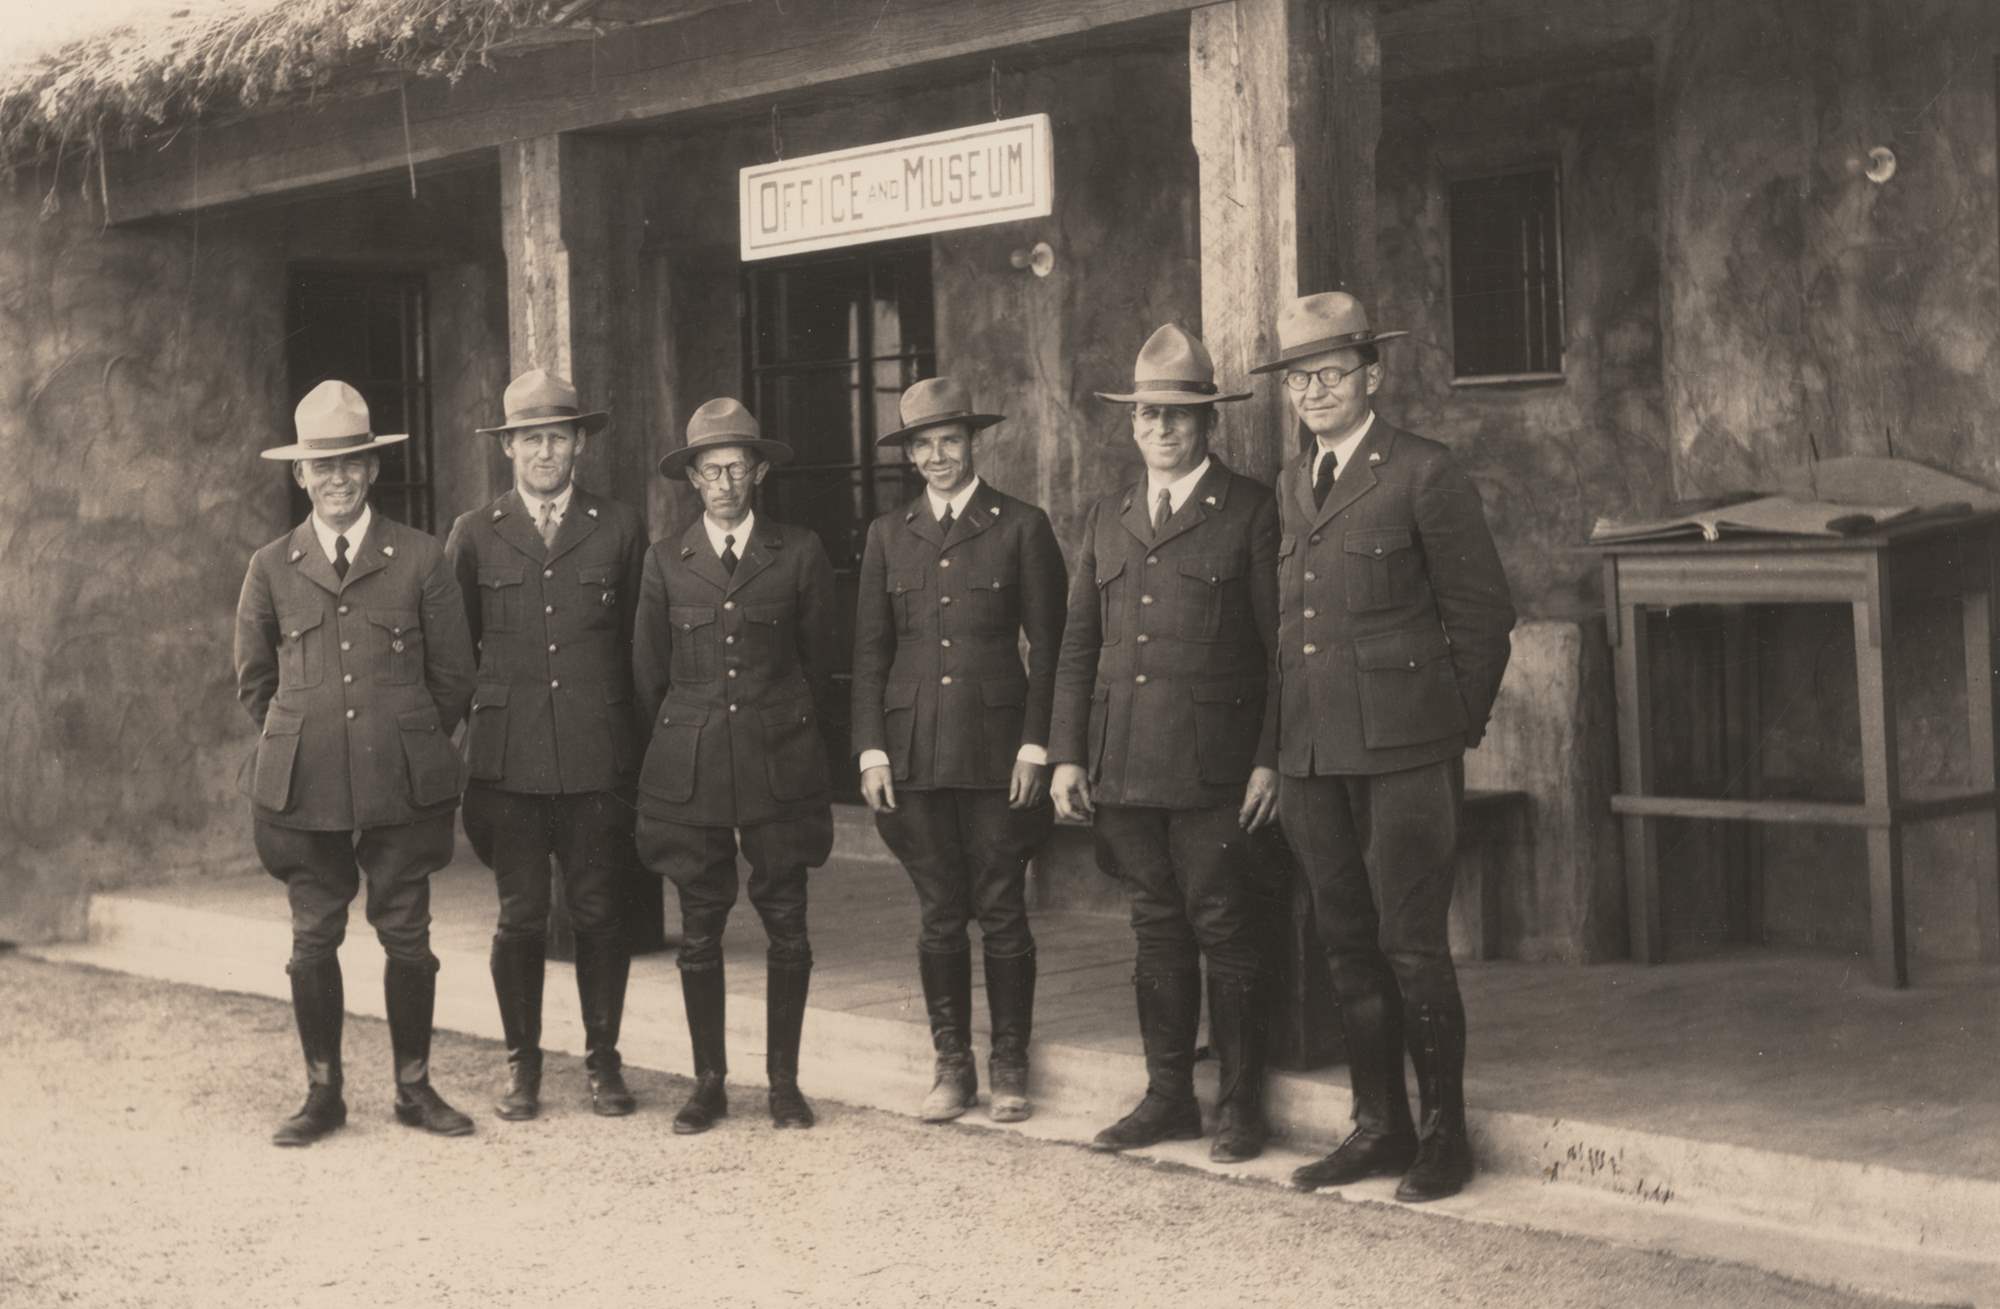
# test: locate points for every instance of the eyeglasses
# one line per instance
(713, 472)
(1329, 377)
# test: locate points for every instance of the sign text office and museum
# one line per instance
(968, 177)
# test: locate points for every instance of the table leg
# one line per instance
(1977, 611)
(1636, 777)
(1889, 957)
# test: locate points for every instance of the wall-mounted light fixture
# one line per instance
(1039, 258)
(1880, 165)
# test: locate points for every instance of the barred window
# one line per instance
(1506, 277)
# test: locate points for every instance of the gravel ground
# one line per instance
(134, 1170)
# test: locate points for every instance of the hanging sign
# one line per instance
(968, 177)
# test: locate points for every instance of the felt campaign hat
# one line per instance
(721, 422)
(537, 398)
(1173, 368)
(332, 420)
(1314, 324)
(934, 402)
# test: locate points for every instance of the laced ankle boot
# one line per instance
(947, 982)
(702, 994)
(519, 965)
(318, 1006)
(1169, 1014)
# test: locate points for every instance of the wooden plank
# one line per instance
(1765, 811)
(739, 56)
(1879, 772)
(1977, 619)
(1286, 107)
(1636, 774)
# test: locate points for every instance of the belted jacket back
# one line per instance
(938, 678)
(554, 711)
(729, 668)
(1164, 691)
(1394, 611)
(356, 683)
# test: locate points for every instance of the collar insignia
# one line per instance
(298, 555)
(389, 551)
(1374, 456)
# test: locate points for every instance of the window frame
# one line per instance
(1558, 265)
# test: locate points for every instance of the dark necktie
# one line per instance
(1323, 480)
(1163, 509)
(945, 520)
(340, 557)
(729, 554)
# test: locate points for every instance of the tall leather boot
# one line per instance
(518, 965)
(784, 1019)
(703, 995)
(318, 1005)
(947, 980)
(602, 966)
(409, 993)
(1238, 1027)
(1010, 996)
(1384, 1140)
(1444, 1151)
(1169, 1013)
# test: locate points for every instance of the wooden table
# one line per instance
(1942, 558)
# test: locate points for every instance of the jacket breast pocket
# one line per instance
(767, 632)
(598, 604)
(301, 649)
(899, 725)
(1110, 602)
(499, 599)
(277, 755)
(1214, 600)
(793, 753)
(992, 604)
(432, 763)
(486, 734)
(1409, 693)
(909, 591)
(1383, 569)
(1228, 719)
(694, 643)
(669, 770)
(398, 640)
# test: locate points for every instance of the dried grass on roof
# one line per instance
(166, 64)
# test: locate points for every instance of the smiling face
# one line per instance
(1172, 439)
(943, 454)
(338, 486)
(736, 471)
(544, 457)
(1332, 412)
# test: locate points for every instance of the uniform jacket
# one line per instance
(1163, 690)
(358, 684)
(1394, 611)
(728, 676)
(938, 681)
(554, 711)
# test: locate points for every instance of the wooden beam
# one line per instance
(1286, 101)
(727, 56)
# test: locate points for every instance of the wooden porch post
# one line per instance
(572, 227)
(1286, 101)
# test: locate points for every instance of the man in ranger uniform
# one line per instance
(952, 735)
(1165, 726)
(550, 575)
(353, 660)
(1393, 633)
(723, 660)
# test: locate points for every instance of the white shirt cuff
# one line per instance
(874, 759)
(1033, 754)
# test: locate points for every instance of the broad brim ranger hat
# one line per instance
(723, 422)
(537, 398)
(1173, 368)
(1315, 324)
(332, 420)
(934, 402)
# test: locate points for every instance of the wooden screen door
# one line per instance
(831, 342)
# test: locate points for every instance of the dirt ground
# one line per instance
(135, 1170)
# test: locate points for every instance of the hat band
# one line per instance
(1326, 343)
(952, 416)
(543, 411)
(337, 442)
(1180, 383)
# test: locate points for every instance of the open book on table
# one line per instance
(1772, 515)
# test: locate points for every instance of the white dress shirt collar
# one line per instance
(353, 534)
(957, 502)
(741, 532)
(1343, 449)
(534, 503)
(1177, 490)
